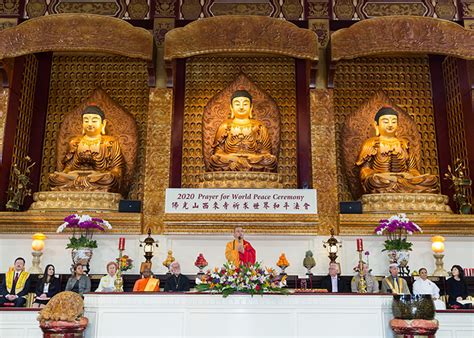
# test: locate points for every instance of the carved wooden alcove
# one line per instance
(209, 55)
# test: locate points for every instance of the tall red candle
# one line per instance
(360, 246)
(122, 243)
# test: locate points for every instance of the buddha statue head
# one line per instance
(386, 122)
(93, 121)
(241, 105)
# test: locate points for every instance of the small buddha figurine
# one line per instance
(94, 161)
(388, 164)
(242, 143)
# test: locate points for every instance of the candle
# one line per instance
(122, 243)
(360, 246)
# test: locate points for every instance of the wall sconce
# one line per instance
(438, 248)
(148, 246)
(332, 245)
(37, 246)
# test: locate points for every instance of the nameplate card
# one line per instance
(241, 201)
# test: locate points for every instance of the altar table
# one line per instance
(206, 315)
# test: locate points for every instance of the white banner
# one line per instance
(243, 201)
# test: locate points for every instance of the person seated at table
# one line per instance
(332, 282)
(393, 283)
(107, 283)
(78, 282)
(457, 288)
(46, 287)
(372, 285)
(176, 282)
(16, 285)
(147, 282)
(423, 286)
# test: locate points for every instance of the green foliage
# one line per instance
(81, 242)
(397, 244)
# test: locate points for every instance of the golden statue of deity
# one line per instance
(387, 164)
(242, 143)
(94, 161)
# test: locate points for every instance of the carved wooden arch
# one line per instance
(241, 34)
(358, 127)
(76, 33)
(402, 35)
(120, 124)
(217, 111)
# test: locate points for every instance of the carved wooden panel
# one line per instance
(456, 127)
(157, 158)
(25, 117)
(3, 114)
(73, 80)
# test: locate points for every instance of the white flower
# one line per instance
(198, 281)
(379, 232)
(107, 224)
(85, 218)
(61, 227)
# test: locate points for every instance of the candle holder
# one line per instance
(332, 245)
(118, 283)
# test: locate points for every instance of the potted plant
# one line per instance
(81, 242)
(397, 228)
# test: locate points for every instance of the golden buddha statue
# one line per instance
(387, 164)
(94, 161)
(242, 143)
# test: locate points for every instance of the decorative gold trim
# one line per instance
(402, 35)
(77, 33)
(405, 202)
(232, 34)
(440, 224)
(253, 223)
(48, 222)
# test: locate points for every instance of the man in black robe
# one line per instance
(176, 282)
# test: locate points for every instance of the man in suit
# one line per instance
(16, 285)
(332, 282)
(393, 283)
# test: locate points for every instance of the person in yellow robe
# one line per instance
(147, 283)
(16, 285)
(393, 283)
(239, 251)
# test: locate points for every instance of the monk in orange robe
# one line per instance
(239, 251)
(147, 283)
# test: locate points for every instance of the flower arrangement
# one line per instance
(125, 263)
(251, 279)
(397, 228)
(84, 226)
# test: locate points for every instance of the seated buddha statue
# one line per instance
(242, 143)
(93, 161)
(388, 164)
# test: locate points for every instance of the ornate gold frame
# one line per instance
(402, 35)
(76, 33)
(241, 34)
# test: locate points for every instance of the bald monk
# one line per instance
(147, 283)
(239, 251)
